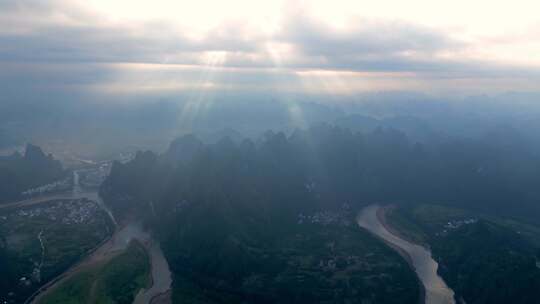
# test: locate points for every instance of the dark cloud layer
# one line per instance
(38, 49)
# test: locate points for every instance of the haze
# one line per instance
(265, 152)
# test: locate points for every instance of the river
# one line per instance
(160, 272)
(436, 290)
(161, 275)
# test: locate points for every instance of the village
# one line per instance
(58, 186)
(45, 235)
(341, 217)
(455, 224)
(74, 211)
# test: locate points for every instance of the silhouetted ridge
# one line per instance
(20, 173)
(183, 149)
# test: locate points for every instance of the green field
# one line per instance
(68, 230)
(116, 281)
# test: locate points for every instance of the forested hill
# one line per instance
(19, 173)
(496, 173)
(235, 210)
(227, 216)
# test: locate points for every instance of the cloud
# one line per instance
(64, 45)
(158, 43)
(365, 37)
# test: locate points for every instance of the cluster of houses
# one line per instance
(458, 223)
(58, 186)
(325, 218)
(70, 212)
(125, 157)
(80, 211)
(335, 262)
(93, 178)
(455, 224)
(77, 211)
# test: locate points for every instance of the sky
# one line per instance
(162, 47)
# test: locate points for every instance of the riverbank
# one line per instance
(86, 261)
(381, 216)
(436, 291)
(107, 249)
(44, 241)
(113, 281)
(112, 247)
(161, 277)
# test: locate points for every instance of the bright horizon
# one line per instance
(330, 47)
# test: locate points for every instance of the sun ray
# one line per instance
(201, 97)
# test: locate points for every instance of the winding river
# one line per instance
(436, 290)
(160, 272)
(161, 275)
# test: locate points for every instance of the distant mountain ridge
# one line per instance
(22, 172)
(379, 164)
(228, 210)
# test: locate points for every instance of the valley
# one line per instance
(269, 152)
(79, 211)
(266, 222)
